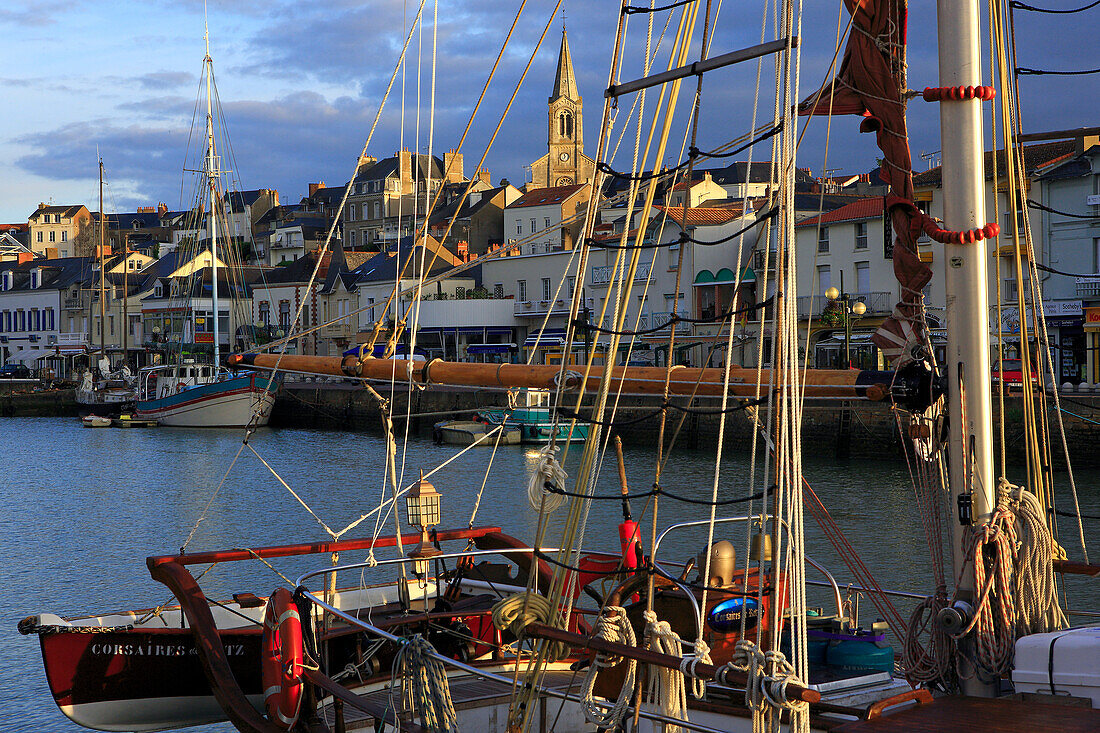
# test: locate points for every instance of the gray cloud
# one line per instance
(164, 80)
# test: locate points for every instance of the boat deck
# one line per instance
(997, 715)
(467, 691)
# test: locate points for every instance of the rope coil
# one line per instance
(612, 625)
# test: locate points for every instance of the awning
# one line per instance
(29, 356)
(548, 338)
(490, 348)
(724, 276)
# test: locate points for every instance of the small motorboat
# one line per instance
(129, 421)
(468, 432)
(95, 421)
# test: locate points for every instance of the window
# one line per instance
(22, 320)
(35, 320)
(546, 221)
(38, 236)
(861, 235)
(824, 278)
(223, 323)
(823, 239)
(53, 236)
(3, 315)
(351, 238)
(519, 227)
(673, 257)
(284, 313)
(265, 313)
(65, 236)
(498, 290)
(534, 227)
(863, 277)
(134, 325)
(572, 285)
(111, 324)
(521, 290)
(547, 291)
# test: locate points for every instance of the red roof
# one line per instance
(546, 196)
(868, 208)
(701, 216)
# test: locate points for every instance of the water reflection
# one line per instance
(83, 508)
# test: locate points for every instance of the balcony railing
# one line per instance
(74, 304)
(1088, 286)
(878, 303)
(559, 307)
(662, 320)
(601, 275)
(758, 261)
(338, 330)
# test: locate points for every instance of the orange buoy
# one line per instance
(281, 661)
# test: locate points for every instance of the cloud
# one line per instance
(163, 80)
(36, 14)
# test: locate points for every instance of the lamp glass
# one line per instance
(859, 308)
(422, 505)
(832, 293)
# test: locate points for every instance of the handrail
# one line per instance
(315, 548)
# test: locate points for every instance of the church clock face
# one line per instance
(563, 157)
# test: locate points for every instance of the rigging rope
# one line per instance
(1024, 6)
(612, 625)
(424, 685)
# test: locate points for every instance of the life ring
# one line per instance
(281, 663)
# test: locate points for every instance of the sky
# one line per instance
(301, 83)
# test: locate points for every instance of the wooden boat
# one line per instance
(469, 432)
(95, 421)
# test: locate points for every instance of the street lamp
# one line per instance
(848, 308)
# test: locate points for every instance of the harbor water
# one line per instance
(84, 508)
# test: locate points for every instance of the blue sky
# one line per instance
(300, 84)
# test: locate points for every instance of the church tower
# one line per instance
(566, 141)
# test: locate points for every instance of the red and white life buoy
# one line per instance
(281, 663)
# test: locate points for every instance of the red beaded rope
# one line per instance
(945, 236)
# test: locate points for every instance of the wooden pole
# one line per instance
(703, 382)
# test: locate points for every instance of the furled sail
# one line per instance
(872, 83)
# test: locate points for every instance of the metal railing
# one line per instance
(541, 307)
(878, 303)
(601, 274)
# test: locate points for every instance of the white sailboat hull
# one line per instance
(238, 402)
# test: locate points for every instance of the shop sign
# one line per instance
(1092, 318)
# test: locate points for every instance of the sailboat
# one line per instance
(101, 386)
(191, 394)
(472, 629)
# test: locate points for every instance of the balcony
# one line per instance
(78, 338)
(338, 330)
(758, 262)
(74, 304)
(1088, 287)
(559, 307)
(601, 275)
(661, 320)
(878, 304)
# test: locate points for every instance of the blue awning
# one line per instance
(490, 348)
(547, 338)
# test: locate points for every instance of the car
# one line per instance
(1013, 377)
(15, 371)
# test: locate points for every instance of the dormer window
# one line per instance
(158, 290)
(7, 280)
(36, 277)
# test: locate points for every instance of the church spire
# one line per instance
(565, 82)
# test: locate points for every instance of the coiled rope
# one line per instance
(613, 626)
(1035, 592)
(765, 691)
(515, 612)
(547, 481)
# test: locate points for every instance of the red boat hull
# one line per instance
(143, 679)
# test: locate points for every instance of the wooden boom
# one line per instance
(838, 383)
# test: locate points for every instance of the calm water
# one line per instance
(83, 508)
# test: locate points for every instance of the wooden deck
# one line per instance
(970, 714)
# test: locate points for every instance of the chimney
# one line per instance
(405, 167)
(485, 177)
(452, 165)
(145, 210)
(41, 204)
(162, 208)
(25, 257)
(51, 253)
(315, 187)
(366, 160)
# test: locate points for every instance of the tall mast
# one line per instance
(102, 273)
(212, 181)
(968, 389)
(125, 297)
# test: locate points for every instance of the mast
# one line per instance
(212, 182)
(969, 401)
(125, 297)
(102, 273)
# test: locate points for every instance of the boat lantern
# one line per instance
(422, 510)
(723, 564)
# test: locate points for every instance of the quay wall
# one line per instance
(837, 428)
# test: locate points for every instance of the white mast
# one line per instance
(212, 181)
(968, 389)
